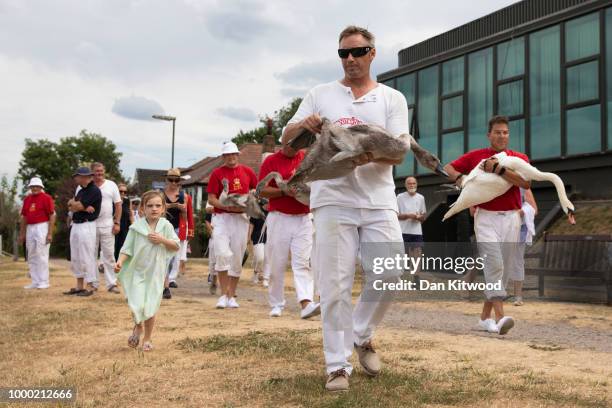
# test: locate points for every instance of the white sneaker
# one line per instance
(232, 303)
(276, 311)
(43, 286)
(311, 309)
(222, 302)
(266, 283)
(30, 286)
(488, 325)
(505, 324)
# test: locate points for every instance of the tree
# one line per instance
(279, 121)
(54, 162)
(9, 212)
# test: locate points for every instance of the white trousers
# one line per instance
(258, 257)
(183, 250)
(83, 251)
(498, 236)
(230, 241)
(211, 257)
(289, 234)
(173, 268)
(105, 243)
(340, 233)
(38, 253)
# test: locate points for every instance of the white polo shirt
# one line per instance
(369, 186)
(410, 204)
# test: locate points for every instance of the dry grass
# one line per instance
(591, 218)
(228, 358)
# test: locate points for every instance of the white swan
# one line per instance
(480, 187)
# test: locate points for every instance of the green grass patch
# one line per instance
(279, 343)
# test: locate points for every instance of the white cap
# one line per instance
(229, 148)
(36, 181)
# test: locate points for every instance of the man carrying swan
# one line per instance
(351, 210)
(497, 223)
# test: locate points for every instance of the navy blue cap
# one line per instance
(83, 171)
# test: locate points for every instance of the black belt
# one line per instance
(81, 221)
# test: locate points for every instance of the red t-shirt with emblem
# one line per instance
(286, 166)
(241, 179)
(511, 199)
(37, 207)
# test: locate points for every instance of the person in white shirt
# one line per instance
(411, 214)
(107, 225)
(353, 213)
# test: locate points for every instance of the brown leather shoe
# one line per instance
(368, 359)
(337, 381)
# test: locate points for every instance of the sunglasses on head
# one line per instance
(173, 180)
(355, 52)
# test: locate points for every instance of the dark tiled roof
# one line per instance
(250, 155)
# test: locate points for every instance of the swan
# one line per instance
(248, 202)
(480, 187)
(333, 152)
(301, 191)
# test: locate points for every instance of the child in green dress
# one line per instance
(142, 264)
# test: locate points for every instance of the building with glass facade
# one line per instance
(546, 64)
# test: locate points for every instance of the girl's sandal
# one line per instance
(134, 339)
(147, 346)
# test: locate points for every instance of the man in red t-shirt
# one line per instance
(495, 222)
(230, 223)
(289, 230)
(36, 229)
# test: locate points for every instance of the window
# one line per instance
(452, 96)
(406, 84)
(452, 76)
(582, 102)
(452, 146)
(452, 112)
(480, 96)
(583, 82)
(584, 129)
(510, 98)
(582, 37)
(511, 58)
(427, 111)
(517, 136)
(545, 93)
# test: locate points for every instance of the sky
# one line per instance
(107, 65)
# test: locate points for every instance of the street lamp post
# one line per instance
(173, 119)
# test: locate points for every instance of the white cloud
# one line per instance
(213, 64)
(241, 114)
(137, 107)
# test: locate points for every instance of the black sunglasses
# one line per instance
(355, 52)
(122, 191)
(174, 180)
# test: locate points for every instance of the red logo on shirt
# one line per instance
(352, 121)
(32, 207)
